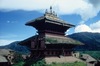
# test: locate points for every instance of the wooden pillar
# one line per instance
(50, 52)
(54, 53)
(42, 44)
(63, 52)
(46, 52)
(32, 44)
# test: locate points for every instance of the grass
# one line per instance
(94, 54)
(68, 64)
(42, 63)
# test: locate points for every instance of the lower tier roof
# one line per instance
(49, 39)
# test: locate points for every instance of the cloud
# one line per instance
(85, 8)
(94, 27)
(82, 28)
(5, 42)
(67, 32)
(24, 4)
(8, 21)
(8, 36)
(95, 3)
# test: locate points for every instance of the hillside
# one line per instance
(91, 40)
(16, 47)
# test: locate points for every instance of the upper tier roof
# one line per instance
(50, 17)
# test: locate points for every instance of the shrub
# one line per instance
(18, 64)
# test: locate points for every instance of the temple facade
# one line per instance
(50, 40)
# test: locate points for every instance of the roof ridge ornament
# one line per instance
(51, 9)
(46, 11)
(50, 12)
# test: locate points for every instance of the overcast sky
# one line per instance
(85, 14)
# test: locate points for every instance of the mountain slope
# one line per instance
(16, 47)
(91, 40)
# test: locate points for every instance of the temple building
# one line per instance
(50, 40)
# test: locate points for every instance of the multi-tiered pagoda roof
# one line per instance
(52, 29)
